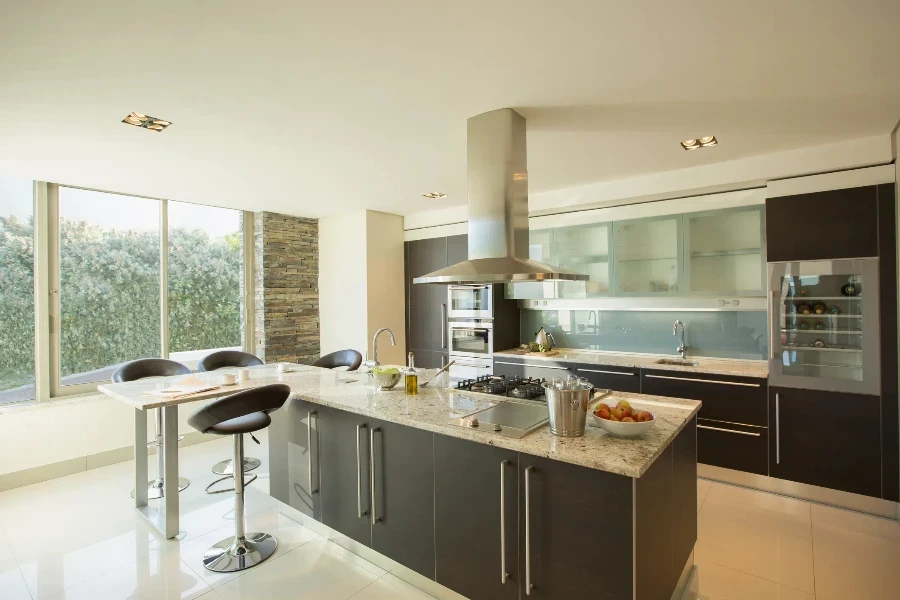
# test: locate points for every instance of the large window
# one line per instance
(205, 271)
(90, 280)
(16, 290)
(109, 277)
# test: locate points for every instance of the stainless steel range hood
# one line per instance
(498, 208)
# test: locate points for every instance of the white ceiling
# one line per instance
(315, 108)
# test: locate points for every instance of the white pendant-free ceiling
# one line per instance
(315, 108)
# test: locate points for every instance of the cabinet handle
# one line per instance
(309, 417)
(500, 362)
(443, 325)
(777, 430)
(728, 430)
(774, 326)
(528, 585)
(504, 576)
(362, 512)
(756, 385)
(373, 431)
(629, 373)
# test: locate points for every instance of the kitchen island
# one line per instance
(485, 515)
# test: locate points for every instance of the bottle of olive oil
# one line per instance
(412, 378)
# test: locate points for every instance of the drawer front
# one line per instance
(618, 379)
(536, 370)
(733, 446)
(733, 399)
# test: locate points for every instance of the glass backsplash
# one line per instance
(720, 334)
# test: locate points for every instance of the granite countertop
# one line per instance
(713, 366)
(434, 406)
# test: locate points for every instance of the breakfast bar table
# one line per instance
(137, 394)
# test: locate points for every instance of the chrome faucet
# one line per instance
(593, 313)
(374, 362)
(682, 348)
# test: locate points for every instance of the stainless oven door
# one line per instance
(470, 302)
(472, 339)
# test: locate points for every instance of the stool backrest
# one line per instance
(148, 367)
(342, 358)
(227, 358)
(262, 399)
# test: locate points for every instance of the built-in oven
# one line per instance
(471, 347)
(470, 302)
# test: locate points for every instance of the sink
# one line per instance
(677, 362)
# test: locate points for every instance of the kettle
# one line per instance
(544, 339)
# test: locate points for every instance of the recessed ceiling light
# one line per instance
(703, 142)
(145, 122)
(434, 195)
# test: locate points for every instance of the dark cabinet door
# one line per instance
(733, 446)
(475, 527)
(827, 439)
(733, 399)
(575, 531)
(427, 303)
(344, 446)
(822, 225)
(429, 359)
(619, 379)
(402, 494)
(543, 370)
(457, 249)
(294, 447)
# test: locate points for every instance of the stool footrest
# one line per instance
(231, 489)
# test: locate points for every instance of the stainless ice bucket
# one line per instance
(568, 409)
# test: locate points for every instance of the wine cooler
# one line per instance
(824, 325)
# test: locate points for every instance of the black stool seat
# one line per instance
(342, 358)
(246, 424)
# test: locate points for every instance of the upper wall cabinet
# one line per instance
(648, 257)
(725, 252)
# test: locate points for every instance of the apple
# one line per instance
(628, 420)
(602, 406)
(614, 418)
(623, 404)
(644, 416)
(603, 413)
(619, 413)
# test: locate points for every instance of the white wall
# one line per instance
(361, 283)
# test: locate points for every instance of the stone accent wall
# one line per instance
(287, 288)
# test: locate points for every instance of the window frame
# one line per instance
(48, 384)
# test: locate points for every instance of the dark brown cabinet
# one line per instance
(346, 501)
(733, 446)
(427, 303)
(403, 494)
(823, 225)
(542, 370)
(476, 541)
(294, 452)
(827, 439)
(618, 379)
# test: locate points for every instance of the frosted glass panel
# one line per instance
(648, 256)
(721, 334)
(584, 248)
(726, 252)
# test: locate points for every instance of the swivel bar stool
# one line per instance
(221, 360)
(342, 358)
(235, 415)
(141, 369)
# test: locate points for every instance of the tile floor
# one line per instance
(77, 537)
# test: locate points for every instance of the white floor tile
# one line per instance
(389, 587)
(715, 582)
(703, 486)
(12, 585)
(769, 511)
(288, 533)
(161, 576)
(355, 559)
(311, 572)
(778, 557)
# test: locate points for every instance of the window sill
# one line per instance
(53, 402)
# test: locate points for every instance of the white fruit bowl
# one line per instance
(620, 429)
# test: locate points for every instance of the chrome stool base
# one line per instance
(231, 489)
(226, 467)
(155, 488)
(239, 553)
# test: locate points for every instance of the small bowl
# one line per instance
(385, 381)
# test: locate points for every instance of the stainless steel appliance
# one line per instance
(522, 410)
(527, 388)
(470, 302)
(824, 325)
(471, 345)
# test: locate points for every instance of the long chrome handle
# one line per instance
(774, 325)
(309, 417)
(704, 380)
(443, 325)
(629, 373)
(359, 508)
(504, 576)
(528, 585)
(372, 433)
(500, 362)
(777, 430)
(728, 430)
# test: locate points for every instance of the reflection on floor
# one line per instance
(77, 537)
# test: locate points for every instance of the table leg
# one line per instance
(170, 462)
(140, 458)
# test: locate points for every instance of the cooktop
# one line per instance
(527, 388)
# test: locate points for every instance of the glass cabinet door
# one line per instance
(540, 248)
(586, 249)
(725, 252)
(647, 257)
(825, 325)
